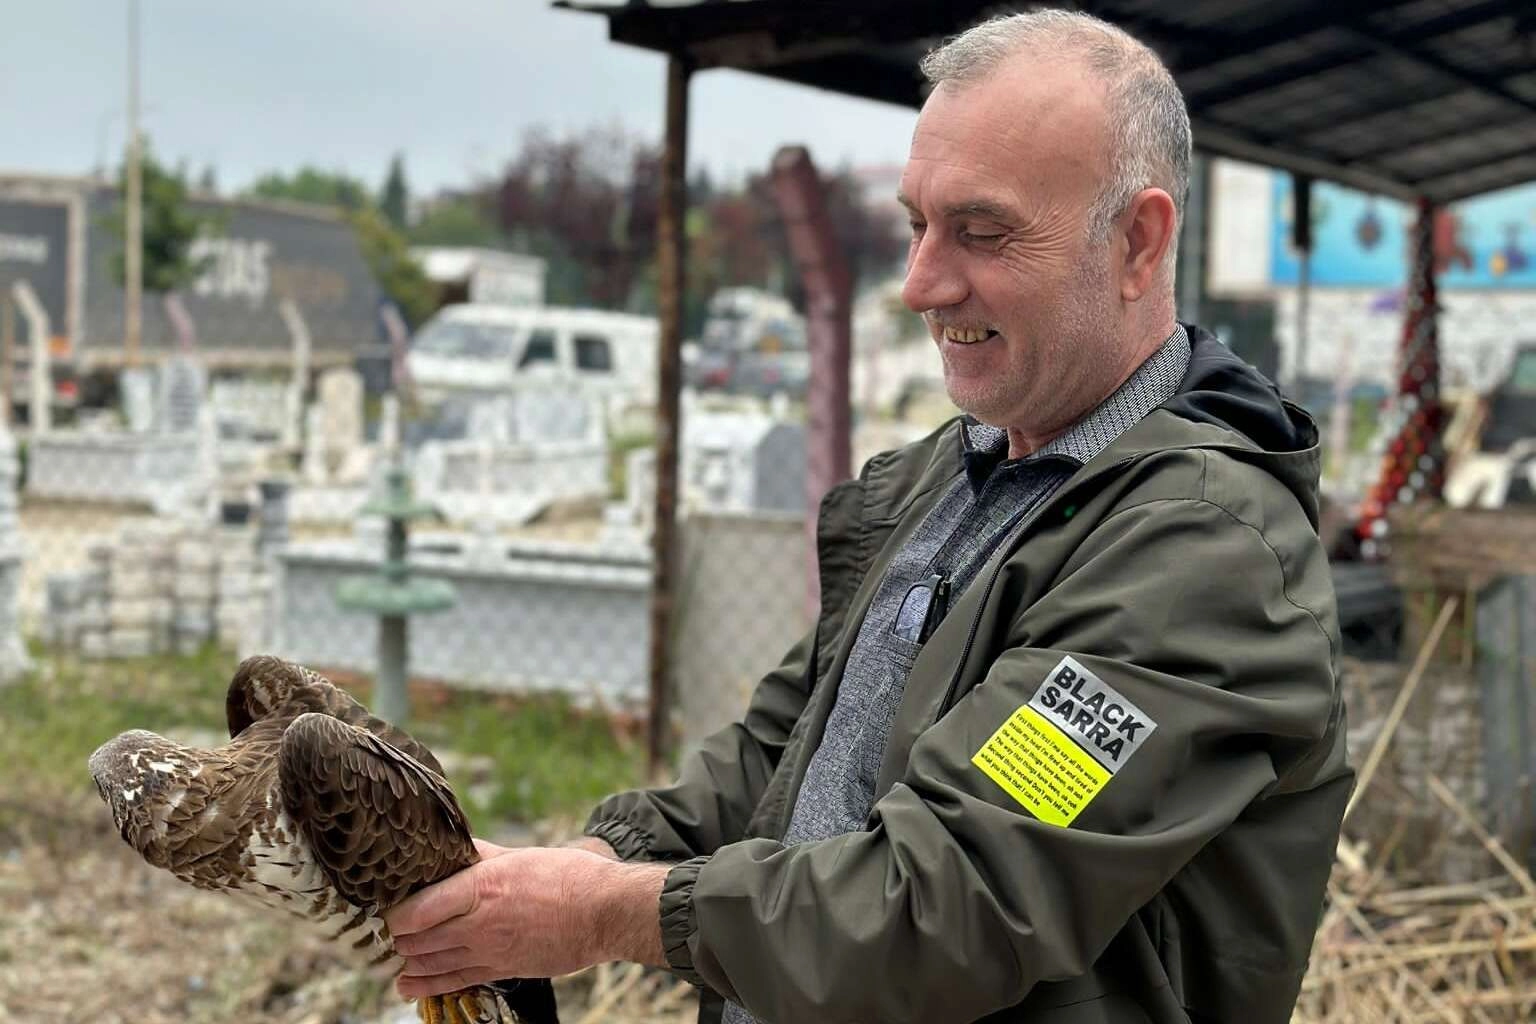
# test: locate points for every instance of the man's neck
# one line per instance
(1021, 444)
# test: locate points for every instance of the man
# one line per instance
(1065, 744)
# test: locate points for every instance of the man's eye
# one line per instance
(976, 236)
(917, 226)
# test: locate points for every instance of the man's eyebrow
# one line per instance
(985, 208)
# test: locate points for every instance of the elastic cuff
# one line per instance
(628, 841)
(677, 923)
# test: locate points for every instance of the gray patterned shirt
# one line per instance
(948, 551)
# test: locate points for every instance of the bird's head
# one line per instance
(263, 684)
(134, 773)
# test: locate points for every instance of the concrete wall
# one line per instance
(140, 469)
(573, 619)
(536, 619)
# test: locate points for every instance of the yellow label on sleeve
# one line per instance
(1041, 767)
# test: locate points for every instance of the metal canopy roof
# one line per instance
(1433, 98)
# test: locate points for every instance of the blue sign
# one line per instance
(1361, 240)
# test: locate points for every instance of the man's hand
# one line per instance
(527, 913)
(591, 844)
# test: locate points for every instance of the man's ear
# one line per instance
(1147, 227)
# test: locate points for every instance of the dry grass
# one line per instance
(93, 934)
(1398, 944)
(90, 932)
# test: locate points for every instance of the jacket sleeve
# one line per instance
(1184, 612)
(719, 785)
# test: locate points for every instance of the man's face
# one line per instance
(999, 182)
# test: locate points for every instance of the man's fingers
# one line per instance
(438, 984)
(489, 850)
(424, 965)
(453, 897)
(451, 935)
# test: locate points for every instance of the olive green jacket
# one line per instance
(1019, 863)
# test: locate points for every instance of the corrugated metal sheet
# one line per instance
(260, 253)
(1403, 97)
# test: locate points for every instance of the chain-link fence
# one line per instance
(230, 509)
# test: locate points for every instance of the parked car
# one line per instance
(483, 348)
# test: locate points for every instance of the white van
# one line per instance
(484, 348)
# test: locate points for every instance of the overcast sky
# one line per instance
(342, 84)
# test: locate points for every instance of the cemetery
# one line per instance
(236, 508)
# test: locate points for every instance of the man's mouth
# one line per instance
(967, 335)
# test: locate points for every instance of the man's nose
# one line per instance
(933, 280)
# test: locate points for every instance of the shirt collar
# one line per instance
(983, 448)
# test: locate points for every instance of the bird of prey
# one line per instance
(314, 807)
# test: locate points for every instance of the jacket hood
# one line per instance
(1221, 390)
(1222, 403)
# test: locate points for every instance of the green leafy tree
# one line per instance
(312, 185)
(395, 198)
(457, 220)
(384, 249)
(170, 229)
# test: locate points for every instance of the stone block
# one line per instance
(135, 586)
(130, 643)
(93, 644)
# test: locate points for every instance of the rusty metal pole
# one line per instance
(670, 246)
(798, 193)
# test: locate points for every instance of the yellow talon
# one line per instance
(430, 1010)
(469, 1006)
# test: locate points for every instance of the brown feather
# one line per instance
(381, 823)
(265, 686)
(315, 807)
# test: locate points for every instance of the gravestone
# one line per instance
(341, 409)
(136, 386)
(339, 400)
(183, 387)
(553, 415)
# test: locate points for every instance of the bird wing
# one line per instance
(380, 823)
(264, 686)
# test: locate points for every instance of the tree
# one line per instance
(208, 181)
(394, 199)
(384, 249)
(170, 229)
(589, 198)
(458, 220)
(312, 185)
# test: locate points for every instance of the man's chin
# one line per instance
(980, 407)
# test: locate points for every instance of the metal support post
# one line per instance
(670, 258)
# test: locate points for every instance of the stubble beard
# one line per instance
(1082, 328)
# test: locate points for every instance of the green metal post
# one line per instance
(390, 700)
(393, 594)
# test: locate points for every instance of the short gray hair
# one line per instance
(1148, 129)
